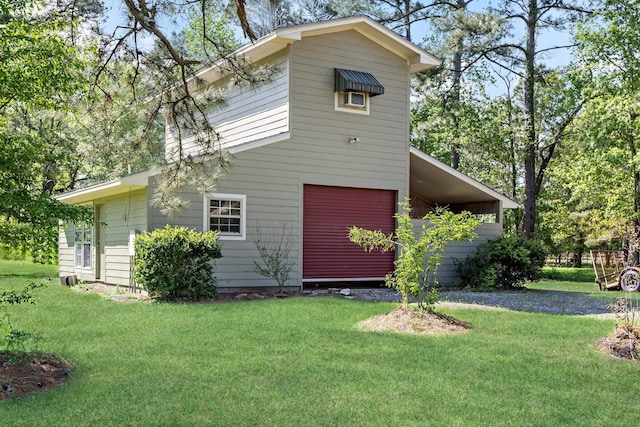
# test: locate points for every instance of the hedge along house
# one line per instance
(323, 147)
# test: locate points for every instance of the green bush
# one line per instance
(176, 261)
(503, 263)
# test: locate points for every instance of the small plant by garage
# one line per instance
(420, 251)
(175, 261)
(274, 247)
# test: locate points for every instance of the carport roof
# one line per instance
(439, 183)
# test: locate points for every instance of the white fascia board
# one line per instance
(127, 183)
(253, 52)
(419, 63)
(507, 203)
(417, 58)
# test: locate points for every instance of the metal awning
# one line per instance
(357, 81)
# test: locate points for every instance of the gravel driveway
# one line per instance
(553, 302)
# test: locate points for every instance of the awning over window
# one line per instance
(357, 81)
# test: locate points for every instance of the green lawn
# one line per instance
(583, 287)
(584, 274)
(301, 362)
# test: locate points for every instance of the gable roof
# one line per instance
(417, 58)
(445, 185)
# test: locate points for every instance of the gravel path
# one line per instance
(553, 302)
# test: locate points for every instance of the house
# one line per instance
(323, 147)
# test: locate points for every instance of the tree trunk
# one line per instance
(577, 254)
(455, 105)
(455, 93)
(636, 195)
(530, 193)
(407, 19)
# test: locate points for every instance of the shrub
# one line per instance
(503, 263)
(176, 261)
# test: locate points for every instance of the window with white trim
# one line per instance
(353, 102)
(226, 213)
(82, 238)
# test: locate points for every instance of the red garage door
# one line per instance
(328, 214)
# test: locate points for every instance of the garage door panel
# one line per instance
(329, 212)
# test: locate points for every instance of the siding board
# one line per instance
(459, 251)
(249, 114)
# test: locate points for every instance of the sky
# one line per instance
(546, 38)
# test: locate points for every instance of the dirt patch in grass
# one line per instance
(115, 293)
(410, 321)
(23, 374)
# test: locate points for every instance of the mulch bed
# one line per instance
(623, 344)
(23, 374)
(410, 321)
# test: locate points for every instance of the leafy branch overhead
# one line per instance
(162, 77)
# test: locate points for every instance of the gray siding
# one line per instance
(380, 158)
(273, 198)
(118, 215)
(250, 113)
(461, 250)
(66, 251)
(121, 214)
(272, 177)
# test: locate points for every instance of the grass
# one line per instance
(301, 362)
(580, 285)
(568, 274)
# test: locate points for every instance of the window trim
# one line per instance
(79, 246)
(206, 224)
(340, 106)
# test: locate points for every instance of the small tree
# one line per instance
(420, 253)
(274, 249)
(176, 260)
(13, 339)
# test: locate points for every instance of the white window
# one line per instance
(226, 213)
(82, 239)
(352, 102)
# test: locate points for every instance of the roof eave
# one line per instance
(506, 202)
(126, 184)
(417, 58)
